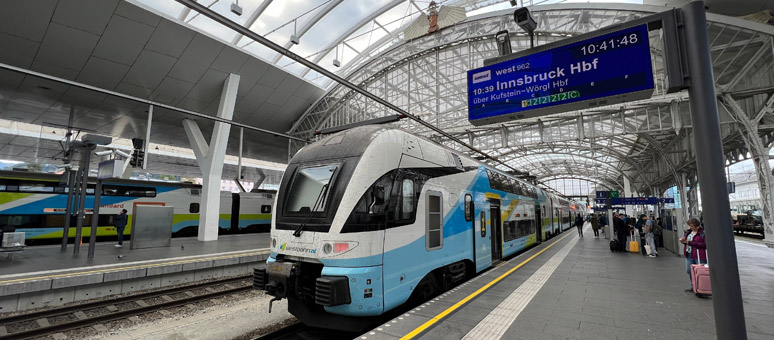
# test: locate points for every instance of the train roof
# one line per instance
(61, 178)
(356, 139)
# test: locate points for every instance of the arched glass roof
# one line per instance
(350, 32)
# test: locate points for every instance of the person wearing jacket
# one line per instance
(694, 247)
(121, 220)
(579, 224)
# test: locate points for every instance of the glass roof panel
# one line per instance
(170, 8)
(281, 18)
(337, 22)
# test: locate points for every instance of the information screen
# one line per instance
(608, 69)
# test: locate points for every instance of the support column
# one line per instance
(763, 171)
(628, 193)
(760, 155)
(721, 248)
(210, 157)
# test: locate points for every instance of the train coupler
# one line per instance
(272, 301)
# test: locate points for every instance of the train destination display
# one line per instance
(608, 69)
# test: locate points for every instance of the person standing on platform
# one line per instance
(579, 224)
(694, 247)
(121, 220)
(658, 233)
(595, 225)
(603, 221)
(649, 229)
(621, 229)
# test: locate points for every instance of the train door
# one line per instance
(481, 235)
(234, 213)
(538, 223)
(497, 230)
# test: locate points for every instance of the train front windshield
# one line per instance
(309, 189)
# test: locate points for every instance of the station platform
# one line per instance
(42, 276)
(575, 288)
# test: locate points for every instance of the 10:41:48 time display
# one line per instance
(617, 42)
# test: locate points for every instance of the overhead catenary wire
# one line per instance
(217, 17)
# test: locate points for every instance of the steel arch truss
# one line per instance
(650, 141)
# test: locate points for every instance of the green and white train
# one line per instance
(34, 203)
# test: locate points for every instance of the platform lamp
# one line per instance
(525, 20)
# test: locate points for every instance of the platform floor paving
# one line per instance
(591, 294)
(49, 258)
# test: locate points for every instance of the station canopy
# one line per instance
(371, 43)
(377, 45)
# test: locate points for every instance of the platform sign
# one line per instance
(668, 200)
(608, 69)
(601, 194)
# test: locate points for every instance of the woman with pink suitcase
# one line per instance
(695, 251)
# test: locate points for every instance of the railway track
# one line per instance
(46, 322)
(299, 331)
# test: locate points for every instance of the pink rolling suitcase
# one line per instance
(701, 278)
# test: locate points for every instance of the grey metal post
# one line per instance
(239, 160)
(95, 219)
(147, 138)
(727, 292)
(68, 207)
(85, 159)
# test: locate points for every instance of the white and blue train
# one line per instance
(371, 217)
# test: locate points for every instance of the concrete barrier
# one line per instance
(55, 288)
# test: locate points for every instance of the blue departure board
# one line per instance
(607, 69)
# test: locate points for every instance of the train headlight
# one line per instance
(334, 248)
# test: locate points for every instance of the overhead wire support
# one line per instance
(192, 4)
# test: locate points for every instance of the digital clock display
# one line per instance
(606, 69)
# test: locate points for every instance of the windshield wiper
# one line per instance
(317, 204)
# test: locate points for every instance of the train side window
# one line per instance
(434, 231)
(483, 224)
(407, 199)
(193, 208)
(468, 207)
(265, 209)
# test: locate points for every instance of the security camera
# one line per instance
(121, 153)
(524, 19)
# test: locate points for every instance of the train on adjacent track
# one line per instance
(34, 203)
(373, 217)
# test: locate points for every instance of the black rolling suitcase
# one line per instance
(642, 247)
(615, 245)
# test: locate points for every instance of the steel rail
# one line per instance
(97, 304)
(192, 4)
(146, 101)
(75, 324)
(284, 332)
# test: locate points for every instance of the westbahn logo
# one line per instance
(482, 76)
(284, 247)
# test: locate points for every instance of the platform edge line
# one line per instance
(465, 300)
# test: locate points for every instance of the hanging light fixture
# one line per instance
(294, 37)
(336, 61)
(235, 8)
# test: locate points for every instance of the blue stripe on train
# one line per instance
(60, 201)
